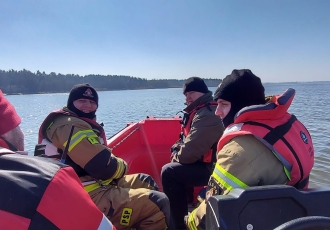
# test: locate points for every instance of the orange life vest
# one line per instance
(281, 132)
(209, 156)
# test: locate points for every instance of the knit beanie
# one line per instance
(195, 84)
(241, 88)
(82, 91)
(9, 118)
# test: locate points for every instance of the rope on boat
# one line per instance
(128, 135)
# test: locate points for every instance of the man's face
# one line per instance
(192, 96)
(85, 105)
(223, 108)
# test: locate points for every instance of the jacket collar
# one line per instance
(207, 97)
(66, 109)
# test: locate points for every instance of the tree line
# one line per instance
(27, 82)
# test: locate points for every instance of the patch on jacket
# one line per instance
(126, 216)
(93, 140)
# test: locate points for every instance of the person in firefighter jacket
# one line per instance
(193, 156)
(73, 136)
(39, 193)
(262, 144)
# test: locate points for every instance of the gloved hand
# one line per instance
(175, 148)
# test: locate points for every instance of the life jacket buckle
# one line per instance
(102, 186)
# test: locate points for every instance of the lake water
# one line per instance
(311, 106)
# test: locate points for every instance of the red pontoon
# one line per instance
(145, 145)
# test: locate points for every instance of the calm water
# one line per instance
(117, 108)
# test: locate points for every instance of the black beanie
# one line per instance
(241, 88)
(85, 91)
(195, 84)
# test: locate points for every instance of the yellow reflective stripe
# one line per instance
(226, 179)
(92, 187)
(51, 123)
(96, 185)
(120, 168)
(287, 173)
(78, 136)
(191, 220)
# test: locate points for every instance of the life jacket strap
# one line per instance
(302, 184)
(276, 134)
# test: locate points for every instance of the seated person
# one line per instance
(262, 144)
(129, 201)
(38, 193)
(194, 155)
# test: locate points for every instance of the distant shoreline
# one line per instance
(100, 89)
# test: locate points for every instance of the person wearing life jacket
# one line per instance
(192, 161)
(73, 136)
(34, 191)
(262, 144)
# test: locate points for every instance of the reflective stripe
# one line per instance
(96, 185)
(287, 173)
(87, 183)
(78, 136)
(226, 179)
(191, 221)
(120, 168)
(105, 224)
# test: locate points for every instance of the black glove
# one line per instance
(175, 148)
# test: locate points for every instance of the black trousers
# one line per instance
(177, 179)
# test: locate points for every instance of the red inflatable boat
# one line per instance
(145, 145)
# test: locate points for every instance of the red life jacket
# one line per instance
(281, 132)
(209, 156)
(49, 197)
(51, 117)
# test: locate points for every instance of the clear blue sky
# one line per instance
(282, 40)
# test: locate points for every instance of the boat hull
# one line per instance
(145, 145)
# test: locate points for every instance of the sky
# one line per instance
(280, 41)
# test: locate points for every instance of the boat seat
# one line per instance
(265, 207)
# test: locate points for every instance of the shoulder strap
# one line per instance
(276, 134)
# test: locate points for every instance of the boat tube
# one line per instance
(145, 146)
